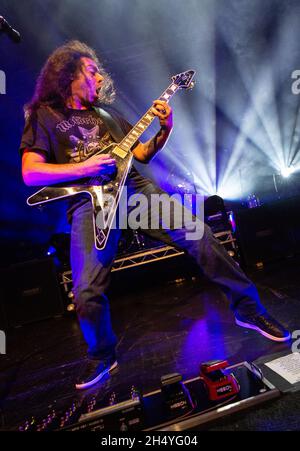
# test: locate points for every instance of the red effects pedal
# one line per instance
(218, 383)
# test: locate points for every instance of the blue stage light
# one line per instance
(51, 251)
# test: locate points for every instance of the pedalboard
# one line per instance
(177, 405)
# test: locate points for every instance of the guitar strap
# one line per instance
(112, 126)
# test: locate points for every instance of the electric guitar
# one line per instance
(106, 190)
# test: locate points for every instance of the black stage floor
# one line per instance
(163, 327)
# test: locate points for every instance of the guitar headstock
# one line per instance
(185, 79)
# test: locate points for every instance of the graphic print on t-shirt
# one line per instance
(84, 142)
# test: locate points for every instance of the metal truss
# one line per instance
(135, 259)
(226, 237)
(151, 255)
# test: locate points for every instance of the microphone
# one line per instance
(13, 34)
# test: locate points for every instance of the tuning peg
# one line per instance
(191, 85)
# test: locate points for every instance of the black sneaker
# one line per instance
(265, 325)
(95, 372)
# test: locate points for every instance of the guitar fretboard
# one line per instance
(139, 128)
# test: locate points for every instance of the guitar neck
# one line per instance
(139, 128)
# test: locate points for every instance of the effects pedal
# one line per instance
(176, 397)
(218, 383)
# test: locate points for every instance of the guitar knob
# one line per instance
(112, 399)
(134, 393)
(91, 404)
(29, 426)
(109, 187)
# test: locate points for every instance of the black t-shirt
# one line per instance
(69, 137)
(72, 137)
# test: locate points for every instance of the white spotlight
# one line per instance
(286, 171)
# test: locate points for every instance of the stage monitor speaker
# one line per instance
(30, 292)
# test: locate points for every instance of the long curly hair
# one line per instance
(53, 86)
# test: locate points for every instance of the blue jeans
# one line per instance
(91, 273)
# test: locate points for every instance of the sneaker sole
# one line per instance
(262, 332)
(98, 378)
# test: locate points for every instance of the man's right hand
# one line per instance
(37, 171)
(101, 164)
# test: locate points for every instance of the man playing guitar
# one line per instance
(61, 141)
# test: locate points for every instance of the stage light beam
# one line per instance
(287, 171)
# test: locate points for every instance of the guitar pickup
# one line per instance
(120, 152)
